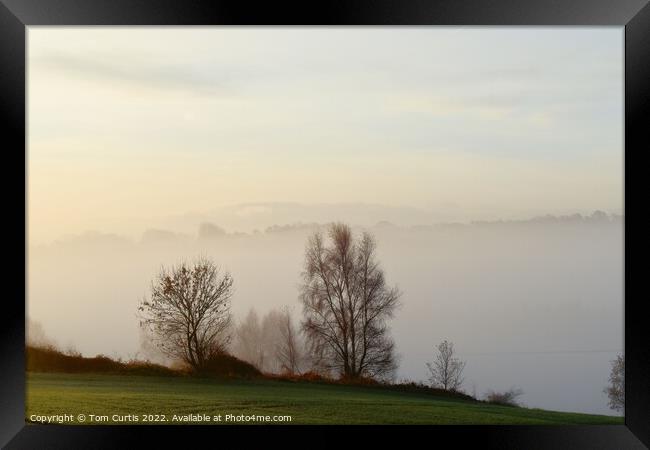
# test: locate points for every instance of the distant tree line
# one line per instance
(273, 343)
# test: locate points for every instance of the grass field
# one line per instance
(306, 403)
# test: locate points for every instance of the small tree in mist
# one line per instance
(36, 337)
(347, 304)
(288, 351)
(616, 389)
(188, 313)
(272, 344)
(446, 372)
(249, 344)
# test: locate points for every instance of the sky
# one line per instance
(130, 126)
(137, 136)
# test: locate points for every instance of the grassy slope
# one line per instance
(311, 403)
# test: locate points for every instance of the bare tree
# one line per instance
(36, 337)
(150, 352)
(447, 370)
(288, 351)
(188, 314)
(346, 305)
(248, 340)
(616, 389)
(271, 339)
(256, 341)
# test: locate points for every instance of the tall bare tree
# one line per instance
(347, 304)
(446, 372)
(272, 338)
(188, 313)
(288, 351)
(616, 389)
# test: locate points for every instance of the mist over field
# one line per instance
(536, 304)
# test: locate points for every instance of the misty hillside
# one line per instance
(533, 303)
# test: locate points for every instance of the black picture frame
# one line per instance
(16, 15)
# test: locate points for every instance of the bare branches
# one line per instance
(188, 313)
(447, 370)
(346, 304)
(272, 344)
(288, 352)
(616, 389)
(506, 398)
(249, 341)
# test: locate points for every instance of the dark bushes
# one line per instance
(223, 365)
(403, 386)
(49, 359)
(411, 386)
(507, 398)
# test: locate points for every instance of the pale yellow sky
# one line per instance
(129, 126)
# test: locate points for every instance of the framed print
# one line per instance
(360, 218)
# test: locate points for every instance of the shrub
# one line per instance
(506, 398)
(227, 366)
(419, 387)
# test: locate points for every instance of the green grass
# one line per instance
(306, 403)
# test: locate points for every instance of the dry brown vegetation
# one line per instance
(50, 359)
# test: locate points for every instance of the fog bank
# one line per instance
(534, 304)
